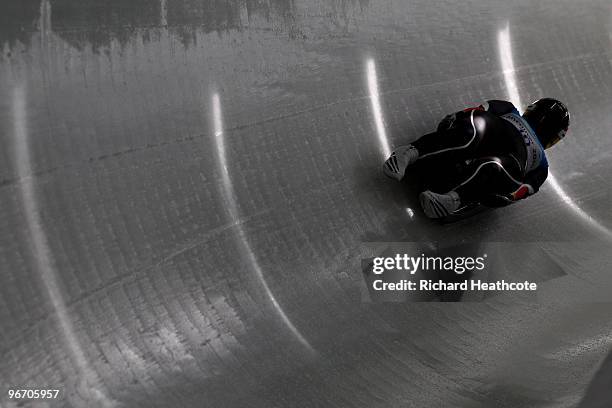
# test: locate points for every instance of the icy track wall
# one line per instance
(186, 187)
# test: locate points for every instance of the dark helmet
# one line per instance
(549, 118)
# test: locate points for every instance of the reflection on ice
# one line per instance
(376, 107)
(232, 206)
(41, 252)
(507, 64)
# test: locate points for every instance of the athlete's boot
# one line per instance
(402, 157)
(439, 205)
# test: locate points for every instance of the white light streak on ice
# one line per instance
(44, 23)
(42, 253)
(376, 107)
(507, 62)
(163, 19)
(599, 344)
(230, 196)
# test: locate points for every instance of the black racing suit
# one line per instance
(488, 154)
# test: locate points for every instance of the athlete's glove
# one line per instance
(479, 107)
(502, 200)
(524, 191)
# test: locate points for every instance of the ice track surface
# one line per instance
(186, 187)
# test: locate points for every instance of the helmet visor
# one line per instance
(556, 139)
